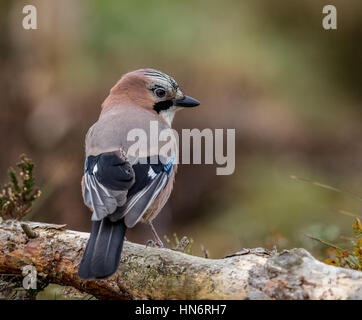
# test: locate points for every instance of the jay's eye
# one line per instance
(160, 93)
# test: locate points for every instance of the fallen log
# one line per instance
(159, 273)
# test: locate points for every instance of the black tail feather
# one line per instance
(102, 255)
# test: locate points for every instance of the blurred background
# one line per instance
(291, 89)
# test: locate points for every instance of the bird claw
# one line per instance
(160, 244)
(150, 243)
(154, 244)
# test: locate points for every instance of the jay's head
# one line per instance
(152, 90)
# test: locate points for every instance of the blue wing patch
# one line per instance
(150, 180)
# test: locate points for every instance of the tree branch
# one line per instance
(153, 273)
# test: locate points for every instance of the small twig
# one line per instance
(323, 242)
(347, 238)
(205, 252)
(256, 251)
(350, 214)
(325, 186)
(30, 233)
(182, 245)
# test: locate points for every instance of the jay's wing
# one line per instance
(116, 189)
(150, 180)
(107, 179)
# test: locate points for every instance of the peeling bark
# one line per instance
(154, 273)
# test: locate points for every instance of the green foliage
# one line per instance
(17, 196)
(346, 258)
(350, 259)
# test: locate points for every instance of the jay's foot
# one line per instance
(152, 243)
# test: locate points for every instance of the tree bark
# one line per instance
(154, 273)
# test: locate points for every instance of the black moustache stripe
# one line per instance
(162, 105)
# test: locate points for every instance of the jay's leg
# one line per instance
(157, 238)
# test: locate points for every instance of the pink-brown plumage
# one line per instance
(117, 186)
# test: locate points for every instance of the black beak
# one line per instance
(185, 102)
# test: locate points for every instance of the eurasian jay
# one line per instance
(119, 187)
